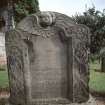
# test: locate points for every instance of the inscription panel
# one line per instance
(48, 68)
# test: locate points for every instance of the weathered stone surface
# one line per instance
(91, 101)
(47, 56)
(2, 49)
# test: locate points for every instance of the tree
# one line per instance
(22, 8)
(14, 11)
(6, 14)
(95, 20)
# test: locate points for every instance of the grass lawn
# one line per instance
(97, 79)
(3, 79)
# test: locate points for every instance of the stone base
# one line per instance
(90, 102)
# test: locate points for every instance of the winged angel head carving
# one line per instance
(46, 19)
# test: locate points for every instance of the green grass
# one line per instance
(3, 79)
(97, 79)
(3, 67)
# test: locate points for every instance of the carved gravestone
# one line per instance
(47, 56)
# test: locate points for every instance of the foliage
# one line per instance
(102, 52)
(23, 8)
(94, 57)
(95, 20)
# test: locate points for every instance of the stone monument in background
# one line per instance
(2, 49)
(47, 57)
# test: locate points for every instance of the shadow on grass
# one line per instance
(97, 94)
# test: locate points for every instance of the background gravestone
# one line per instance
(2, 49)
(47, 56)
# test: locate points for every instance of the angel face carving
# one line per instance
(46, 19)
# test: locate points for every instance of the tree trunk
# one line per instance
(10, 20)
(103, 64)
(10, 25)
(6, 11)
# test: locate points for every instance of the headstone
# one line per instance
(47, 56)
(2, 49)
